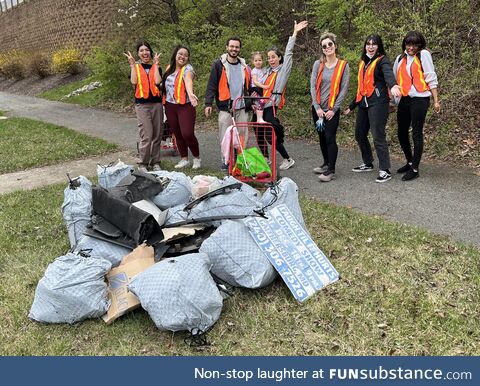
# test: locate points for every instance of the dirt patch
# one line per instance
(33, 86)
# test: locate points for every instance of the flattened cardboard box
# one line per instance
(122, 300)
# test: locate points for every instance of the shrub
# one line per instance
(40, 64)
(13, 64)
(67, 60)
(110, 66)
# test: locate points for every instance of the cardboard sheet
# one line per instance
(122, 300)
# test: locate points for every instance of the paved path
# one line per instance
(444, 200)
(53, 174)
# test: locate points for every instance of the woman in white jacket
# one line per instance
(417, 79)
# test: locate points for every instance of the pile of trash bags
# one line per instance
(160, 240)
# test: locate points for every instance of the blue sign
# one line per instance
(301, 264)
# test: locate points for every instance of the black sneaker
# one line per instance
(405, 168)
(224, 167)
(363, 168)
(384, 176)
(410, 175)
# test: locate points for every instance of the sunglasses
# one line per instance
(325, 46)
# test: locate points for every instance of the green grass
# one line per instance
(403, 292)
(103, 97)
(92, 98)
(26, 143)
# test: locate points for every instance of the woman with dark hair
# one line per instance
(375, 81)
(180, 103)
(417, 79)
(328, 88)
(146, 76)
(278, 72)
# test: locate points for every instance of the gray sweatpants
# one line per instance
(225, 120)
(150, 131)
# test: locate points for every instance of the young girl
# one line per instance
(258, 78)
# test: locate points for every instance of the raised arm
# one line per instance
(133, 73)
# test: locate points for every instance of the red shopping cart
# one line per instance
(252, 153)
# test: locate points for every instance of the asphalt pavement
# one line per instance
(444, 199)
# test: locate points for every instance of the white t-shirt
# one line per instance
(170, 82)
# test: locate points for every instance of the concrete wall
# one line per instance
(53, 24)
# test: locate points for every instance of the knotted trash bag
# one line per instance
(110, 175)
(176, 191)
(77, 207)
(179, 293)
(72, 289)
(285, 192)
(236, 258)
(102, 249)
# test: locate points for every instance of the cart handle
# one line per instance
(270, 98)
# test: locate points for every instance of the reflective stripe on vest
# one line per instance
(224, 89)
(270, 82)
(405, 80)
(180, 94)
(335, 83)
(145, 82)
(366, 82)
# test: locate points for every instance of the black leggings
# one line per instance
(328, 139)
(264, 135)
(412, 111)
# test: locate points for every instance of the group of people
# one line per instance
(409, 84)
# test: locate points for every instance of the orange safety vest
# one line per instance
(366, 81)
(179, 91)
(145, 82)
(335, 84)
(224, 90)
(270, 81)
(405, 80)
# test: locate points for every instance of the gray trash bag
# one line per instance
(285, 192)
(77, 208)
(110, 175)
(245, 187)
(241, 202)
(236, 258)
(178, 190)
(179, 293)
(101, 249)
(72, 289)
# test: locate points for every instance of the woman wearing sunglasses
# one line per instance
(417, 79)
(375, 82)
(328, 88)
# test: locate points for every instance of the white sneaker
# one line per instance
(156, 168)
(143, 169)
(197, 163)
(287, 164)
(182, 164)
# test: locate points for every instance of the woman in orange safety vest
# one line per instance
(145, 75)
(417, 79)
(328, 88)
(180, 103)
(376, 83)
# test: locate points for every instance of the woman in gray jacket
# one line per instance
(328, 88)
(278, 72)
